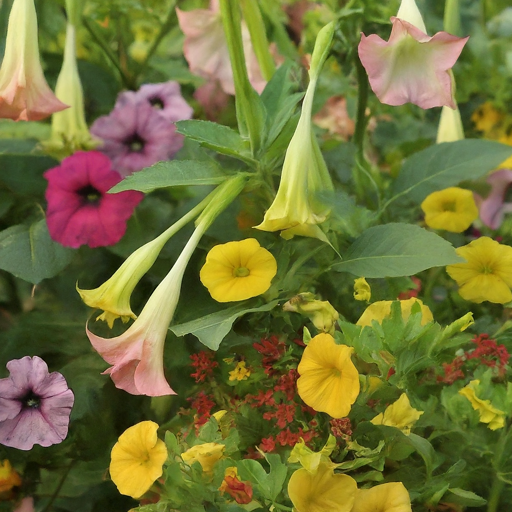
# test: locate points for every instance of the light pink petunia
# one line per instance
(34, 405)
(80, 212)
(412, 66)
(494, 207)
(24, 93)
(206, 50)
(135, 135)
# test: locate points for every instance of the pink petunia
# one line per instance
(206, 50)
(164, 97)
(80, 212)
(135, 135)
(411, 67)
(34, 405)
(494, 207)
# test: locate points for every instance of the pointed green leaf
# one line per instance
(396, 249)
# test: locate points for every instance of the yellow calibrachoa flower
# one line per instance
(362, 290)
(487, 275)
(8, 477)
(391, 497)
(488, 413)
(207, 454)
(452, 209)
(240, 372)
(382, 309)
(137, 459)
(329, 381)
(238, 270)
(321, 490)
(320, 312)
(400, 414)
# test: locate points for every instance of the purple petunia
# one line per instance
(34, 405)
(80, 212)
(140, 131)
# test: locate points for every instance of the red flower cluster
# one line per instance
(271, 350)
(288, 438)
(204, 364)
(203, 404)
(487, 352)
(341, 428)
(287, 384)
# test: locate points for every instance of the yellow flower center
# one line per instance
(241, 272)
(487, 270)
(449, 206)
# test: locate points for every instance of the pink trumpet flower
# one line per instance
(24, 93)
(494, 207)
(411, 67)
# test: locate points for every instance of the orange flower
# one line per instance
(232, 485)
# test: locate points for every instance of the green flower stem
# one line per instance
(74, 11)
(127, 81)
(164, 30)
(281, 507)
(494, 497)
(252, 16)
(249, 119)
(451, 22)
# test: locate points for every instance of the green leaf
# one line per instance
(445, 165)
(277, 476)
(424, 448)
(464, 498)
(171, 174)
(29, 253)
(218, 137)
(212, 329)
(396, 249)
(253, 471)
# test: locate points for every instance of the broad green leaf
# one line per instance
(277, 476)
(424, 448)
(171, 174)
(218, 137)
(447, 164)
(212, 329)
(253, 471)
(464, 498)
(29, 253)
(396, 249)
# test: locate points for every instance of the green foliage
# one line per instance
(394, 250)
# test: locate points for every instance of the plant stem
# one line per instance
(252, 16)
(55, 494)
(107, 51)
(494, 499)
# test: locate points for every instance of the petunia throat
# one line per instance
(136, 143)
(157, 102)
(31, 400)
(90, 194)
(241, 272)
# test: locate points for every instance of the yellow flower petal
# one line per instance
(322, 490)
(362, 290)
(207, 454)
(137, 459)
(487, 273)
(238, 270)
(329, 381)
(452, 209)
(488, 413)
(382, 309)
(400, 414)
(390, 497)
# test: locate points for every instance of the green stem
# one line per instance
(107, 51)
(451, 21)
(55, 494)
(252, 16)
(249, 118)
(281, 507)
(164, 29)
(494, 497)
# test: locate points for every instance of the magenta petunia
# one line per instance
(34, 405)
(135, 135)
(412, 66)
(165, 98)
(80, 212)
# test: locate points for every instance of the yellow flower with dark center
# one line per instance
(207, 454)
(321, 490)
(452, 209)
(487, 273)
(238, 270)
(329, 381)
(382, 309)
(400, 414)
(494, 418)
(137, 459)
(240, 372)
(391, 497)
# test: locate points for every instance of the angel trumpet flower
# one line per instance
(136, 356)
(297, 208)
(412, 66)
(24, 93)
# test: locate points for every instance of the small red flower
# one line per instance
(240, 491)
(203, 403)
(262, 398)
(204, 364)
(341, 428)
(268, 444)
(288, 384)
